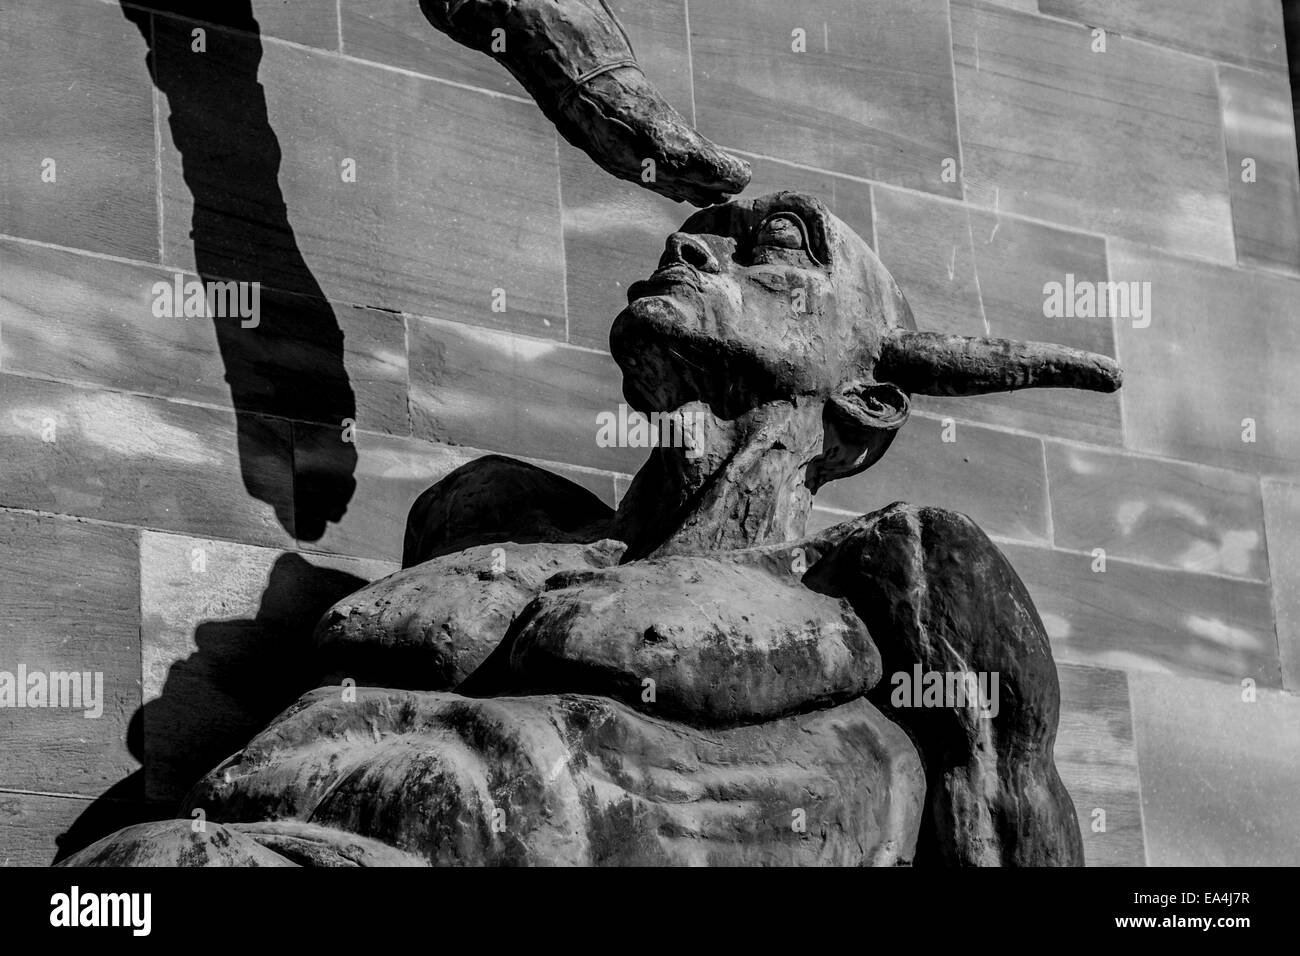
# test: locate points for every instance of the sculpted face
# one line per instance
(753, 301)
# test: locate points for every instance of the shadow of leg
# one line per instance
(290, 363)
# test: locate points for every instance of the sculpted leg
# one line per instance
(574, 59)
(408, 778)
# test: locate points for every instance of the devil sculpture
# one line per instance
(691, 679)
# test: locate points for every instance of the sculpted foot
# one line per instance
(574, 59)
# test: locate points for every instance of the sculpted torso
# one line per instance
(716, 640)
(691, 678)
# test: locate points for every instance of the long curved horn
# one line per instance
(932, 363)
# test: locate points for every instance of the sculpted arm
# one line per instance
(937, 595)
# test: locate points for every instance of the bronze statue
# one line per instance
(692, 678)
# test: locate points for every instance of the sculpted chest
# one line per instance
(710, 641)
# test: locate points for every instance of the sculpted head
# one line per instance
(775, 299)
(755, 300)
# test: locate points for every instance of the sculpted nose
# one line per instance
(682, 247)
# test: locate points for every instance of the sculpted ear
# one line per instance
(858, 423)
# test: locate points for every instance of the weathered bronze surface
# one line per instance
(691, 678)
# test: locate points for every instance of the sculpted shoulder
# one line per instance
(480, 544)
(940, 598)
(497, 499)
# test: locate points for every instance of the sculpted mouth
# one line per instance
(665, 280)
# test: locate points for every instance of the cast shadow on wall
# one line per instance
(243, 673)
(289, 366)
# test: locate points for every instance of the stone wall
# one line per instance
(177, 503)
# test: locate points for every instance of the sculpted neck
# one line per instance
(743, 486)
